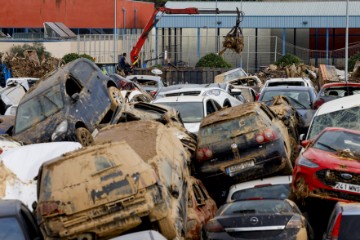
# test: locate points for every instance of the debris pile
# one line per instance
(30, 65)
(301, 70)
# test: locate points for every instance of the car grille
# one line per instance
(331, 177)
(190, 93)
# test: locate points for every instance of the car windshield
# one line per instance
(345, 118)
(341, 91)
(299, 99)
(38, 108)
(10, 229)
(231, 128)
(190, 112)
(336, 141)
(279, 191)
(257, 206)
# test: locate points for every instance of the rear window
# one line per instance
(257, 207)
(190, 112)
(286, 83)
(232, 128)
(10, 229)
(340, 91)
(299, 99)
(280, 191)
(347, 118)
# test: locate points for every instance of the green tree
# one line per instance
(352, 60)
(212, 60)
(38, 47)
(72, 56)
(288, 59)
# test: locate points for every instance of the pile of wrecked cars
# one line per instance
(93, 158)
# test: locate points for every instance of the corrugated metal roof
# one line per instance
(319, 14)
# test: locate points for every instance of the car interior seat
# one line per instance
(333, 93)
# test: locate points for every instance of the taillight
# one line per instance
(203, 154)
(257, 97)
(268, 135)
(214, 226)
(294, 222)
(336, 229)
(318, 103)
(48, 208)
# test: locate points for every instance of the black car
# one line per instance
(243, 142)
(270, 219)
(67, 105)
(302, 99)
(17, 222)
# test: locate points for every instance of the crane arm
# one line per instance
(134, 54)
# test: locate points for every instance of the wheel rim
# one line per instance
(116, 96)
(84, 137)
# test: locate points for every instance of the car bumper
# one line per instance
(314, 182)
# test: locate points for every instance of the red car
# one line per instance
(201, 208)
(331, 91)
(329, 167)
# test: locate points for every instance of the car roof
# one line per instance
(277, 88)
(181, 99)
(340, 84)
(349, 208)
(146, 77)
(339, 104)
(271, 180)
(9, 207)
(230, 113)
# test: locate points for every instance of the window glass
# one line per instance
(210, 107)
(10, 229)
(280, 191)
(258, 206)
(190, 112)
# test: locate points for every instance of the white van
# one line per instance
(343, 112)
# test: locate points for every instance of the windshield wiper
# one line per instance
(297, 102)
(327, 146)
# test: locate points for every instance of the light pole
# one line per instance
(115, 33)
(347, 41)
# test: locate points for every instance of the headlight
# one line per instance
(60, 129)
(307, 163)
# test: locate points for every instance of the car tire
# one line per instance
(167, 228)
(84, 137)
(115, 97)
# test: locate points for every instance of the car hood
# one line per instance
(21, 165)
(192, 127)
(331, 160)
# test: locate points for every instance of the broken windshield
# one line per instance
(346, 118)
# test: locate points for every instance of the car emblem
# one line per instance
(254, 220)
(346, 176)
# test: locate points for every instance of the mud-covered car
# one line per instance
(201, 208)
(329, 166)
(111, 188)
(242, 143)
(270, 219)
(168, 116)
(67, 105)
(158, 146)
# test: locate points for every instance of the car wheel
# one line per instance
(115, 97)
(83, 136)
(168, 228)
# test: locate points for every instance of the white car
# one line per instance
(343, 112)
(19, 166)
(25, 82)
(266, 188)
(151, 84)
(217, 93)
(275, 82)
(142, 235)
(192, 109)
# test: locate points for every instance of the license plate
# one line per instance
(239, 167)
(347, 187)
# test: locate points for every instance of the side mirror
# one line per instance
(305, 143)
(235, 92)
(75, 97)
